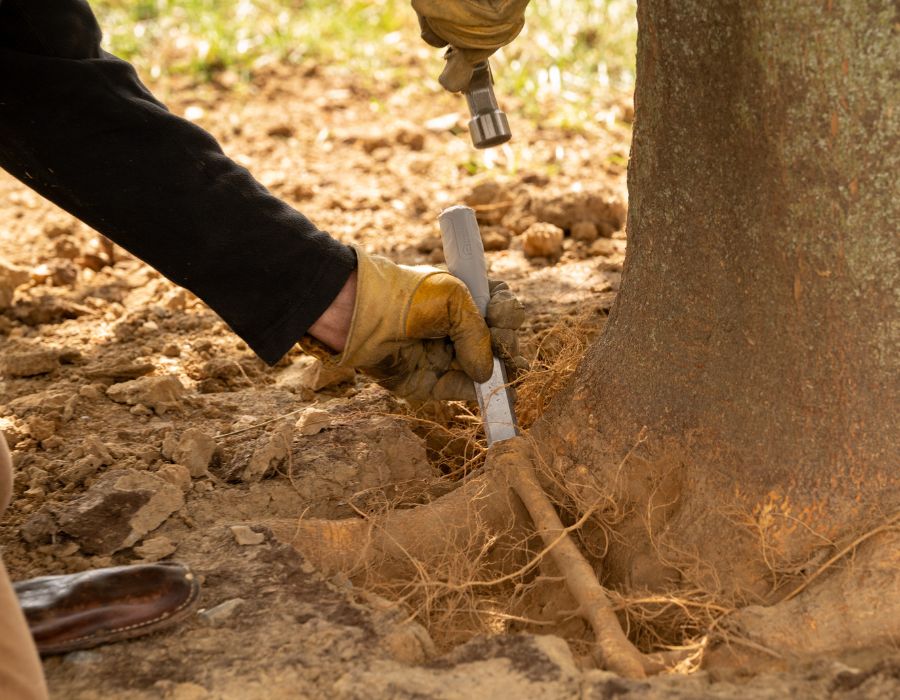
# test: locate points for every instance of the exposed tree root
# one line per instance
(391, 542)
(395, 542)
(615, 651)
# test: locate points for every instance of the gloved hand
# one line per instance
(417, 331)
(474, 29)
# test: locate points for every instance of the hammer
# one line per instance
(488, 126)
(464, 253)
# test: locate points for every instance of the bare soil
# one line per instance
(374, 167)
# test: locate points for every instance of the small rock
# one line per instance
(543, 240)
(118, 372)
(52, 400)
(40, 528)
(118, 510)
(283, 131)
(495, 238)
(11, 276)
(486, 192)
(256, 460)
(155, 548)
(160, 394)
(491, 201)
(585, 231)
(90, 392)
(92, 445)
(80, 470)
(313, 421)
(40, 428)
(30, 362)
(245, 536)
(171, 350)
(221, 612)
(605, 210)
(176, 474)
(308, 372)
(195, 450)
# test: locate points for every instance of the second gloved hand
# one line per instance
(417, 331)
(474, 29)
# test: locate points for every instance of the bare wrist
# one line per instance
(333, 326)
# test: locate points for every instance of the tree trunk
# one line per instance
(756, 331)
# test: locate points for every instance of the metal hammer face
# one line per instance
(488, 126)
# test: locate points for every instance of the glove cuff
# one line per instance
(384, 292)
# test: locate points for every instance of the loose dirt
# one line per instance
(120, 386)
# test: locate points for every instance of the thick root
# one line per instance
(616, 652)
(394, 542)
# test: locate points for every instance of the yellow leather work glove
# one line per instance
(474, 29)
(417, 331)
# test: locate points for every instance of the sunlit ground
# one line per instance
(571, 55)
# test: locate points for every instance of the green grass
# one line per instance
(571, 54)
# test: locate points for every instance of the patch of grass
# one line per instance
(571, 55)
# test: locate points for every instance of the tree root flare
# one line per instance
(396, 542)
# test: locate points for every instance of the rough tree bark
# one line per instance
(754, 342)
(756, 332)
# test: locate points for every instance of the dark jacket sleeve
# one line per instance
(78, 126)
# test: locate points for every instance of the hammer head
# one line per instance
(488, 126)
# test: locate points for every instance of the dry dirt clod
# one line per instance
(245, 536)
(80, 470)
(495, 238)
(118, 510)
(543, 240)
(118, 371)
(41, 427)
(605, 210)
(30, 362)
(491, 201)
(160, 394)
(40, 528)
(195, 450)
(254, 461)
(313, 421)
(585, 231)
(155, 548)
(11, 276)
(308, 372)
(176, 474)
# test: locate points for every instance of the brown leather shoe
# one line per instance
(78, 611)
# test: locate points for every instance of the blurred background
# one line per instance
(571, 59)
